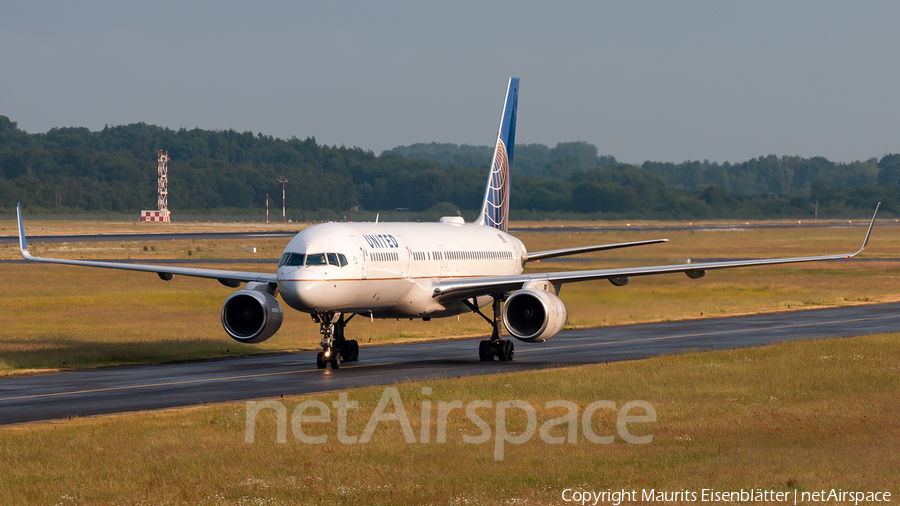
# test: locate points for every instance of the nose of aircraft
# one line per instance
(302, 289)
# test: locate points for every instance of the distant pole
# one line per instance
(282, 181)
(267, 208)
(817, 209)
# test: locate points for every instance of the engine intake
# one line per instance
(534, 315)
(251, 316)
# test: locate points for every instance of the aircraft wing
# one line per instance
(458, 289)
(540, 255)
(166, 272)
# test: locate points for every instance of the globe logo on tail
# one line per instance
(496, 205)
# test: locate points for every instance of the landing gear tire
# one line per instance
(320, 360)
(349, 350)
(505, 350)
(484, 351)
(335, 360)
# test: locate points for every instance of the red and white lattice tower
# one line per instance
(162, 189)
(162, 170)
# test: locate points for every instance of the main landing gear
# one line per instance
(502, 349)
(334, 347)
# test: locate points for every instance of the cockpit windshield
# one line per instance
(300, 259)
(292, 259)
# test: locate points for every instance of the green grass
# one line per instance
(809, 415)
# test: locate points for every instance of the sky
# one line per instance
(662, 81)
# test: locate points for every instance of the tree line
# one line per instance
(114, 170)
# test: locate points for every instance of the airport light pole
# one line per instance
(282, 181)
(267, 208)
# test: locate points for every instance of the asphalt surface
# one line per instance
(122, 389)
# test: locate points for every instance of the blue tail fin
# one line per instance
(495, 209)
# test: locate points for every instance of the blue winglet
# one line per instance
(23, 246)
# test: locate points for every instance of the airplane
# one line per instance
(336, 271)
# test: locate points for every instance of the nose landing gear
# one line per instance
(334, 346)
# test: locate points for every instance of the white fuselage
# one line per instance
(391, 267)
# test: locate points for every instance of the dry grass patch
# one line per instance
(809, 415)
(157, 251)
(53, 227)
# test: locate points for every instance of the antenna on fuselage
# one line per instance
(376, 217)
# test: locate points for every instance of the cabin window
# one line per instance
(316, 259)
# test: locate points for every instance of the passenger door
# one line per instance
(363, 257)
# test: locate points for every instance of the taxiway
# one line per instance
(123, 389)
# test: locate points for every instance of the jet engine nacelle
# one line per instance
(619, 280)
(534, 315)
(251, 316)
